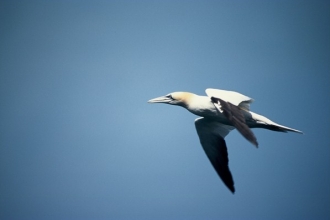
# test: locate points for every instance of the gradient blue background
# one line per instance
(78, 139)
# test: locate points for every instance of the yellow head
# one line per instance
(174, 98)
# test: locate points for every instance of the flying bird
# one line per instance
(220, 112)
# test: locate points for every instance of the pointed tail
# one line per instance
(263, 122)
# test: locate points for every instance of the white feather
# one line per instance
(234, 98)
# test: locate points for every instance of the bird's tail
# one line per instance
(263, 122)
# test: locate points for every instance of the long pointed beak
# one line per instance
(162, 99)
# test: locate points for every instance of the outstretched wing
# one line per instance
(235, 115)
(234, 98)
(211, 135)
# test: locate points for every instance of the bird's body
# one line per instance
(203, 107)
(221, 111)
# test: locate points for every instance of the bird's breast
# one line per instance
(205, 108)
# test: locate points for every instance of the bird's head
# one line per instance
(175, 98)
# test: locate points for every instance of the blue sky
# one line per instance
(78, 139)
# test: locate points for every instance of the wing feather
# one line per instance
(211, 135)
(234, 98)
(235, 115)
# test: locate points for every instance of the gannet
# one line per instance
(220, 112)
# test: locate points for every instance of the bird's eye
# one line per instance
(169, 96)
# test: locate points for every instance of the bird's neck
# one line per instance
(201, 106)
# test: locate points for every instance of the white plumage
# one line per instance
(220, 112)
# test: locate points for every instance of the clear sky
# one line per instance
(78, 139)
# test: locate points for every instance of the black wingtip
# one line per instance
(232, 189)
(256, 144)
